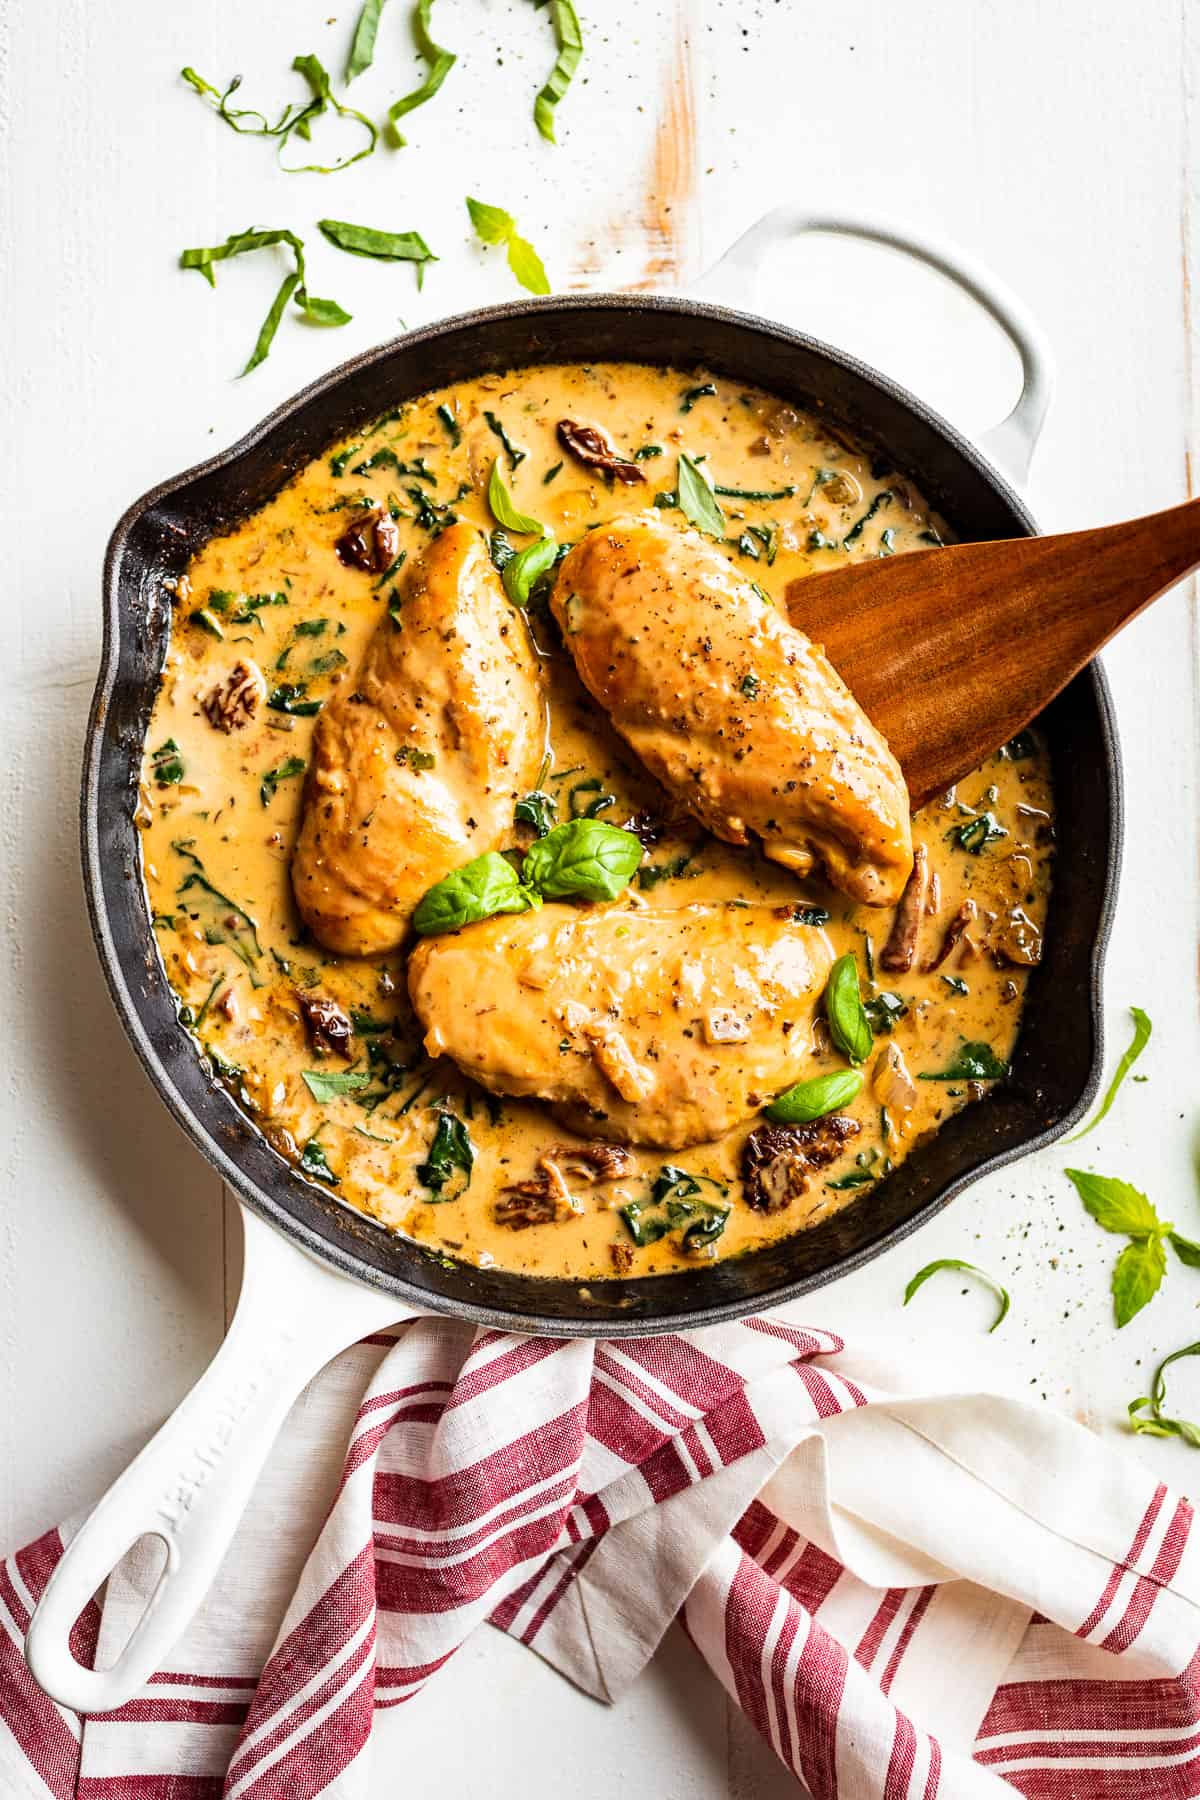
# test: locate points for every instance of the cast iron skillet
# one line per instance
(1056, 1067)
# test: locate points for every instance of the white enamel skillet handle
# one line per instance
(734, 280)
(191, 1483)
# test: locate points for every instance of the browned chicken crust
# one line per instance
(732, 708)
(417, 768)
(635, 1024)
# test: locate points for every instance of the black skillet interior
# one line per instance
(1056, 1068)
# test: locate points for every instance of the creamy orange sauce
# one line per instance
(218, 832)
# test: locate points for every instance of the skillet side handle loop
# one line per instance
(191, 1483)
(734, 281)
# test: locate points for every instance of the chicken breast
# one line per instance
(638, 1025)
(416, 769)
(734, 710)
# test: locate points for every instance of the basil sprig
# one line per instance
(814, 1098)
(1141, 1037)
(1119, 1207)
(696, 499)
(478, 890)
(317, 312)
(1157, 1424)
(966, 1268)
(439, 63)
(582, 859)
(520, 572)
(568, 37)
(495, 226)
(849, 1026)
(383, 246)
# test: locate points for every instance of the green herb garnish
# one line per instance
(451, 1153)
(675, 1205)
(696, 499)
(970, 1062)
(384, 246)
(223, 920)
(1141, 1037)
(438, 63)
(537, 810)
(297, 118)
(731, 493)
(689, 396)
(166, 764)
(522, 572)
(856, 530)
(325, 1087)
(568, 38)
(953, 1262)
(289, 697)
(478, 890)
(884, 1010)
(453, 428)
(362, 47)
(849, 1026)
(1158, 1424)
(582, 859)
(295, 765)
(814, 1098)
(1117, 1206)
(317, 312)
(496, 427)
(495, 226)
(313, 1161)
(505, 510)
(976, 833)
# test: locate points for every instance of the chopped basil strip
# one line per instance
(675, 1204)
(496, 427)
(384, 246)
(1141, 1037)
(313, 1161)
(690, 395)
(166, 764)
(568, 38)
(1157, 1423)
(495, 226)
(362, 48)
(537, 810)
(815, 1098)
(295, 765)
(953, 1262)
(438, 63)
(318, 312)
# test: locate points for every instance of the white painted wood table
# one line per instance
(1057, 143)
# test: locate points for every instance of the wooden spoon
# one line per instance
(950, 652)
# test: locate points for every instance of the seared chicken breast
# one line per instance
(416, 768)
(733, 710)
(634, 1024)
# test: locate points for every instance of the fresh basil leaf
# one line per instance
(1141, 1037)
(451, 1153)
(849, 1026)
(967, 1268)
(439, 63)
(478, 890)
(696, 499)
(324, 312)
(583, 859)
(492, 224)
(814, 1098)
(384, 246)
(523, 571)
(1114, 1204)
(501, 503)
(495, 226)
(970, 1062)
(1158, 1424)
(568, 38)
(325, 1087)
(527, 266)
(362, 48)
(1184, 1248)
(1137, 1277)
(294, 765)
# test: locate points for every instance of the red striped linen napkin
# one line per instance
(914, 1588)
